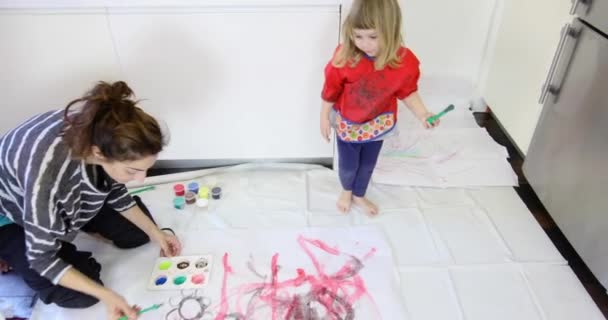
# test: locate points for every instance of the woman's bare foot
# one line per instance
(369, 207)
(344, 201)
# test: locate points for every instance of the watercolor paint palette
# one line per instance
(184, 272)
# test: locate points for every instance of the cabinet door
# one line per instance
(526, 39)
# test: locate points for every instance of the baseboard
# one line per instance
(214, 163)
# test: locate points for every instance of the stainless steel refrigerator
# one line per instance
(567, 162)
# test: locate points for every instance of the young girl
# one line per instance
(369, 71)
(64, 171)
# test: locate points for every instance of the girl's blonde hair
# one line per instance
(384, 16)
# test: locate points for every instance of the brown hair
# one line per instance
(384, 16)
(110, 120)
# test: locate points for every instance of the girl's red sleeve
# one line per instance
(334, 82)
(411, 66)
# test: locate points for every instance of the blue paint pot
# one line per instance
(193, 186)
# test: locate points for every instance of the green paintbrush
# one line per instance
(153, 307)
(432, 119)
(136, 191)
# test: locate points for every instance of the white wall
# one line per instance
(520, 58)
(231, 82)
(191, 60)
(47, 60)
(449, 37)
(250, 90)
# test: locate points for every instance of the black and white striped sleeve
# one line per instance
(41, 162)
(42, 249)
(120, 199)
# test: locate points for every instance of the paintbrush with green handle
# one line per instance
(432, 119)
(140, 190)
(153, 307)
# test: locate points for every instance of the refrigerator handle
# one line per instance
(575, 4)
(547, 87)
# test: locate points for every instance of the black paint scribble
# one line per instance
(193, 299)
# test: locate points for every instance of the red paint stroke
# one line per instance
(224, 298)
(370, 254)
(333, 293)
(273, 285)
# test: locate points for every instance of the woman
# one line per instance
(64, 171)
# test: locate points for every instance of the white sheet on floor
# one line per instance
(474, 253)
(456, 154)
(15, 297)
(374, 288)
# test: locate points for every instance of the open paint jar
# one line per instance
(203, 192)
(202, 203)
(216, 193)
(179, 203)
(179, 190)
(190, 197)
(193, 187)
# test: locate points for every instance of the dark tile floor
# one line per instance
(595, 289)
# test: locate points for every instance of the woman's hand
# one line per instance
(425, 123)
(169, 244)
(118, 306)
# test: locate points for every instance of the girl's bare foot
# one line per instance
(344, 201)
(369, 207)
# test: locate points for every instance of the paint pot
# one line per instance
(216, 193)
(202, 203)
(181, 272)
(179, 203)
(165, 265)
(190, 197)
(198, 278)
(193, 187)
(179, 190)
(179, 280)
(203, 192)
(201, 263)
